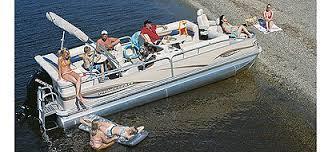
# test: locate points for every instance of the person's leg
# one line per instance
(244, 29)
(85, 122)
(140, 129)
(122, 131)
(270, 24)
(239, 30)
(267, 25)
(69, 77)
(129, 132)
(77, 85)
(102, 70)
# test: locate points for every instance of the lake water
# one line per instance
(247, 112)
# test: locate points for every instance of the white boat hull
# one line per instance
(204, 76)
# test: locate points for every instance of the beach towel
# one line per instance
(261, 27)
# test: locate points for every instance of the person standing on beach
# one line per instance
(268, 17)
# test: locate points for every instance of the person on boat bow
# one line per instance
(65, 72)
(149, 32)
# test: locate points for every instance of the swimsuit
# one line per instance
(67, 72)
(268, 14)
(122, 131)
(109, 130)
(66, 63)
(232, 29)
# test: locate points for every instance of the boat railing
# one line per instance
(142, 64)
(138, 64)
(127, 40)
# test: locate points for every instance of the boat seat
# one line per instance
(49, 64)
(208, 28)
(131, 51)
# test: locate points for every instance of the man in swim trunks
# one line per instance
(65, 72)
(149, 32)
(233, 30)
(268, 17)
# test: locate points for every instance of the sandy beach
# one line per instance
(289, 56)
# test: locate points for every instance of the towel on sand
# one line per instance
(261, 27)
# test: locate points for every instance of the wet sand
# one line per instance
(288, 56)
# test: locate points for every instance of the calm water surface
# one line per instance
(242, 113)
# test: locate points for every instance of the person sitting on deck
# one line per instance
(87, 57)
(268, 17)
(149, 32)
(108, 43)
(234, 31)
(109, 46)
(112, 129)
(65, 72)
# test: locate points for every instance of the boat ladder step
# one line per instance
(50, 109)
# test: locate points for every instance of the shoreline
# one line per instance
(289, 56)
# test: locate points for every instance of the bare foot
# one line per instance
(81, 102)
(82, 121)
(81, 98)
(85, 121)
(140, 129)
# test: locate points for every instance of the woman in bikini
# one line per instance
(234, 30)
(111, 129)
(66, 73)
(268, 17)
